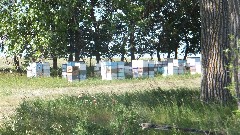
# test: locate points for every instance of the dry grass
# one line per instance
(13, 94)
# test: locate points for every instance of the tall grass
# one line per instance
(122, 114)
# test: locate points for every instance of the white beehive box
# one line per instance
(112, 70)
(34, 70)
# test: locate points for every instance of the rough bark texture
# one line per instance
(214, 44)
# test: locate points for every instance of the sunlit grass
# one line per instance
(116, 114)
(13, 81)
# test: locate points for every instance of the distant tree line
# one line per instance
(99, 28)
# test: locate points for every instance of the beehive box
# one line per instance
(74, 71)
(97, 69)
(46, 69)
(170, 67)
(142, 68)
(194, 65)
(161, 67)
(64, 70)
(112, 70)
(180, 68)
(38, 69)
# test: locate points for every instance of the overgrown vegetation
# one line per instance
(122, 114)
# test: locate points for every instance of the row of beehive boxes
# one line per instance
(140, 68)
(178, 66)
(74, 71)
(38, 69)
(117, 70)
(143, 68)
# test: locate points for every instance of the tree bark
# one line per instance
(77, 57)
(215, 57)
(55, 63)
(187, 48)
(176, 53)
(158, 55)
(132, 46)
(169, 54)
(70, 58)
(16, 62)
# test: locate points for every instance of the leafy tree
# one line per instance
(34, 29)
(130, 15)
(174, 24)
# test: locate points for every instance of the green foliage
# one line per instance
(99, 28)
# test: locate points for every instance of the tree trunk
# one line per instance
(78, 45)
(187, 48)
(77, 57)
(214, 43)
(158, 55)
(169, 54)
(234, 38)
(98, 58)
(55, 63)
(16, 63)
(176, 53)
(132, 46)
(122, 57)
(158, 52)
(123, 52)
(70, 58)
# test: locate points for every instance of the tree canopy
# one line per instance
(102, 28)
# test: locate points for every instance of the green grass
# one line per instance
(122, 114)
(10, 82)
(171, 100)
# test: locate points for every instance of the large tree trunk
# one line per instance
(214, 43)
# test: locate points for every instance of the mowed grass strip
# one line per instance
(16, 88)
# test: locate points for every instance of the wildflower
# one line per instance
(95, 102)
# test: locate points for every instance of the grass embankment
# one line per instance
(113, 107)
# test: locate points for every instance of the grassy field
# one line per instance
(54, 106)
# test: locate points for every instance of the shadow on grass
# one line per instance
(117, 114)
